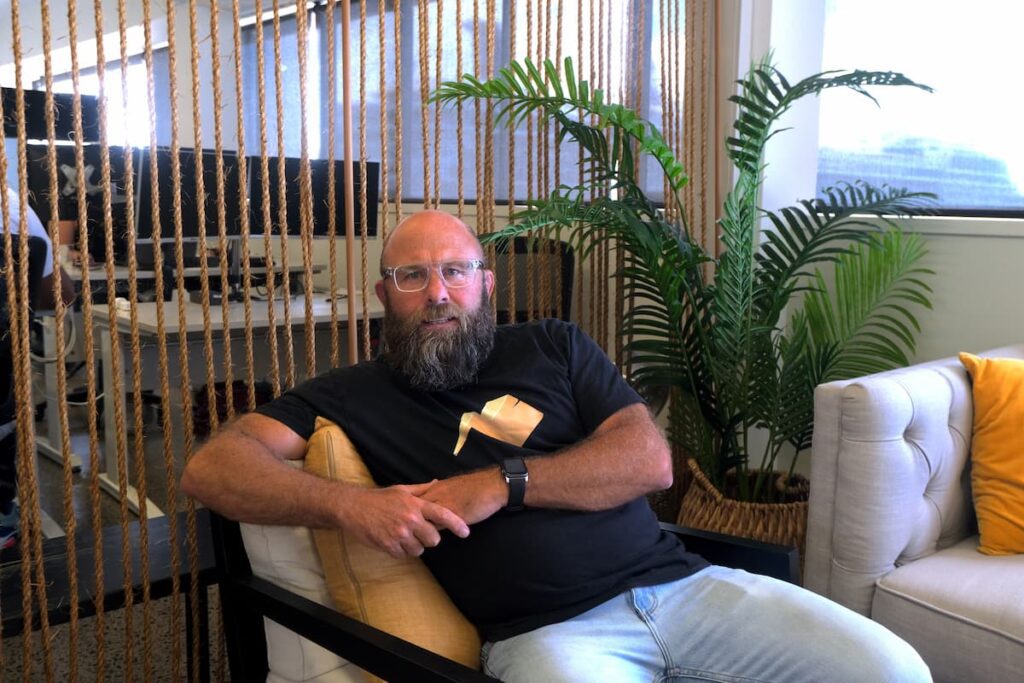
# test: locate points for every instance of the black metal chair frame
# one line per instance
(247, 599)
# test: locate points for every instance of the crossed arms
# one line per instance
(241, 472)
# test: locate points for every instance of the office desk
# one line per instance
(48, 443)
(193, 333)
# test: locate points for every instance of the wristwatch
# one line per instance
(516, 476)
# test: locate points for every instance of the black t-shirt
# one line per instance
(545, 386)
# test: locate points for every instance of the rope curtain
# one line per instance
(189, 322)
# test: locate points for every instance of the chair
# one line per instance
(36, 258)
(891, 529)
(247, 598)
(546, 279)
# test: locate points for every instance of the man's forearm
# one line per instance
(238, 477)
(626, 457)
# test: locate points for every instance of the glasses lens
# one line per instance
(457, 273)
(411, 278)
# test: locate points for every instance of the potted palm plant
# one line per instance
(724, 347)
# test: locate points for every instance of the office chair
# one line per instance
(36, 257)
(546, 279)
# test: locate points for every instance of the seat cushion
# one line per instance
(286, 556)
(963, 611)
(397, 595)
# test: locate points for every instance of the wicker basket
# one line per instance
(704, 507)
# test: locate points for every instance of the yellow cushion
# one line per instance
(997, 452)
(399, 596)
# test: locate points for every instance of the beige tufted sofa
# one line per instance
(891, 531)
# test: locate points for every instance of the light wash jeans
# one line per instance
(719, 624)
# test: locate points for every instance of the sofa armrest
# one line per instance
(778, 561)
(888, 475)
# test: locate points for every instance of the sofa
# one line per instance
(891, 527)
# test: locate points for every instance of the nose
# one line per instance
(437, 292)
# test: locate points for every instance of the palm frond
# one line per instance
(866, 316)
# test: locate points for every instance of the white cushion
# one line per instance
(287, 557)
(954, 605)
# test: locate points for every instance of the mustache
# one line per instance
(437, 311)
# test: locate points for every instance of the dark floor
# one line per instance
(51, 475)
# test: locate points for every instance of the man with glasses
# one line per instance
(515, 460)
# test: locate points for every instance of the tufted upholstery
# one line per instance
(889, 488)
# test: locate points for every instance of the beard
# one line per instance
(439, 359)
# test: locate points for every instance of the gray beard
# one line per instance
(439, 360)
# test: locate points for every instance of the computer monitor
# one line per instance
(63, 110)
(67, 190)
(319, 169)
(186, 180)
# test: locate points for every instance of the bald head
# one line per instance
(429, 236)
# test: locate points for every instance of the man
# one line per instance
(565, 571)
(9, 514)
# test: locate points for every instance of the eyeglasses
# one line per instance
(416, 276)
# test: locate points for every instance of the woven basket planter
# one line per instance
(704, 507)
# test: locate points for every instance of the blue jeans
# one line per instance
(718, 625)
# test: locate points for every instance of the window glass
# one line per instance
(957, 142)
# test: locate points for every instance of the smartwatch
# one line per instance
(516, 476)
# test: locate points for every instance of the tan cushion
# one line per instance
(997, 452)
(399, 596)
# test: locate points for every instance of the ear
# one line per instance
(489, 281)
(382, 293)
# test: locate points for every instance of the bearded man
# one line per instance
(515, 460)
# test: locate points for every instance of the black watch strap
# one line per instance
(516, 476)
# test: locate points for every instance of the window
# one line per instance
(623, 67)
(124, 126)
(957, 142)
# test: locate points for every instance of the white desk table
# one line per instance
(193, 331)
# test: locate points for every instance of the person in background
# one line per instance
(10, 517)
(516, 460)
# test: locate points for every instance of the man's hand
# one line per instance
(474, 497)
(397, 521)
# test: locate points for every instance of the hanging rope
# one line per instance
(59, 315)
(332, 204)
(243, 209)
(305, 186)
(364, 210)
(264, 190)
(32, 561)
(510, 247)
(399, 114)
(424, 71)
(382, 60)
(459, 128)
(282, 210)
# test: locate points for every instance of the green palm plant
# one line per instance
(722, 345)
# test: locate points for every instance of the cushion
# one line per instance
(997, 452)
(399, 596)
(961, 610)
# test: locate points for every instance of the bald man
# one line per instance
(515, 460)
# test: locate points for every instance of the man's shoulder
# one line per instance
(542, 327)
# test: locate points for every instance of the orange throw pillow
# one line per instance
(399, 596)
(997, 452)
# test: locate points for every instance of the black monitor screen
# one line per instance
(319, 169)
(67, 189)
(186, 181)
